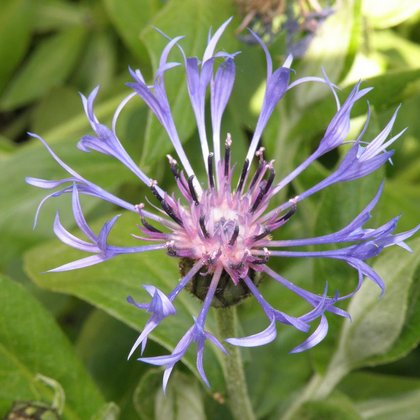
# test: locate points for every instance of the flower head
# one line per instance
(220, 228)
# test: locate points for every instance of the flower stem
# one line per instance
(239, 401)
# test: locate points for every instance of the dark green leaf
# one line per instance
(15, 28)
(31, 343)
(115, 376)
(98, 63)
(50, 64)
(130, 17)
(336, 407)
(383, 397)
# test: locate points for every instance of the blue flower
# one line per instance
(221, 231)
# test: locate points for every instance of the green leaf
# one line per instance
(51, 15)
(130, 17)
(380, 323)
(367, 385)
(384, 14)
(195, 18)
(336, 407)
(56, 108)
(380, 328)
(183, 398)
(400, 51)
(383, 397)
(333, 49)
(50, 64)
(107, 286)
(15, 28)
(98, 63)
(109, 411)
(31, 343)
(115, 376)
(350, 198)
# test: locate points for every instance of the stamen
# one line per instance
(228, 143)
(243, 176)
(155, 192)
(234, 236)
(149, 226)
(203, 226)
(210, 166)
(171, 248)
(192, 190)
(262, 260)
(260, 154)
(173, 164)
(261, 235)
(263, 189)
(288, 215)
(139, 208)
(164, 204)
(214, 256)
(257, 174)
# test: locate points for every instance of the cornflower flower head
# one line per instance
(218, 228)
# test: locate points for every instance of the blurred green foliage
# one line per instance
(52, 49)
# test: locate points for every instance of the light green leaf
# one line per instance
(400, 51)
(333, 49)
(384, 14)
(107, 286)
(109, 411)
(15, 28)
(50, 64)
(31, 344)
(183, 398)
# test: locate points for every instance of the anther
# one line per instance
(203, 226)
(288, 215)
(234, 236)
(261, 235)
(262, 260)
(139, 209)
(257, 174)
(210, 167)
(171, 248)
(260, 153)
(165, 206)
(155, 192)
(173, 164)
(263, 190)
(243, 176)
(228, 144)
(192, 190)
